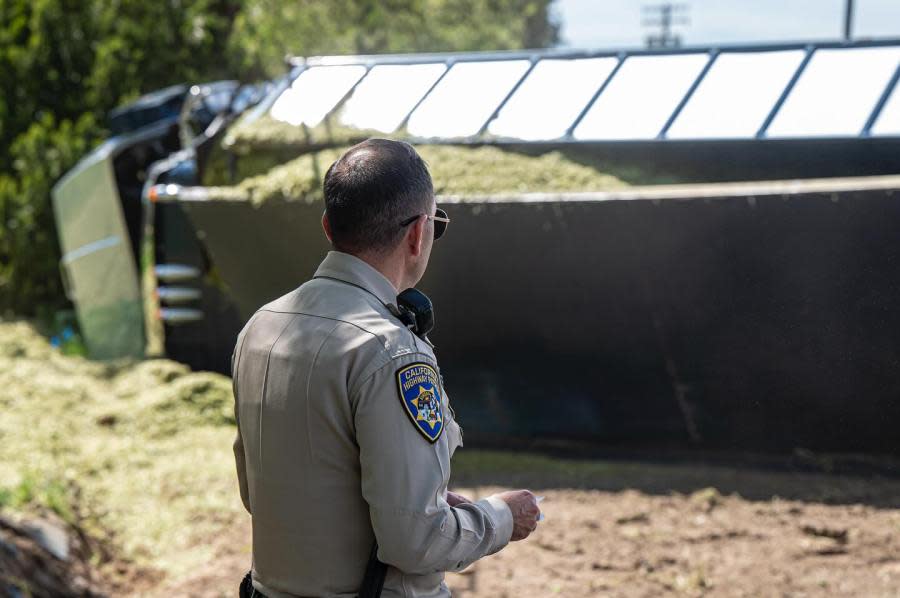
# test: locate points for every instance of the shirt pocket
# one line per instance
(452, 429)
(454, 436)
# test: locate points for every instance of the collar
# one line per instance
(352, 270)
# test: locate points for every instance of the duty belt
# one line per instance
(372, 584)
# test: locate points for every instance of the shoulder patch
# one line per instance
(421, 398)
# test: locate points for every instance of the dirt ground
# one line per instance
(832, 536)
(630, 544)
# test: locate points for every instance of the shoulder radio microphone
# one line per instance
(416, 311)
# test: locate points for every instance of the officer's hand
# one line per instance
(525, 512)
(454, 499)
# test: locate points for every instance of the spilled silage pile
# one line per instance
(136, 453)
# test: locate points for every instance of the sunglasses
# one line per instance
(441, 220)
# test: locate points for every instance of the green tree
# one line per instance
(142, 46)
(29, 278)
(44, 55)
(70, 57)
(63, 65)
(268, 29)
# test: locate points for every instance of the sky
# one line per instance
(617, 23)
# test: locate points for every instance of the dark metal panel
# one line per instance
(744, 321)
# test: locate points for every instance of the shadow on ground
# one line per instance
(756, 480)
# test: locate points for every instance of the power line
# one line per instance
(848, 20)
(664, 16)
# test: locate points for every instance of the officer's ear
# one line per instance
(415, 236)
(326, 226)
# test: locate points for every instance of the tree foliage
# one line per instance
(29, 277)
(266, 30)
(65, 63)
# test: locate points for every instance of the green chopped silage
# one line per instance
(260, 147)
(490, 170)
(456, 170)
(141, 449)
(268, 134)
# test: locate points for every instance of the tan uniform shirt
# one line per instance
(344, 429)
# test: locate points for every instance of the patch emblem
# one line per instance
(421, 398)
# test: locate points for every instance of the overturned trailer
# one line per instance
(744, 315)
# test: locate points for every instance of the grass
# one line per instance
(48, 493)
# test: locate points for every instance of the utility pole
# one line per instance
(848, 20)
(663, 16)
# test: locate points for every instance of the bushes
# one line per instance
(29, 253)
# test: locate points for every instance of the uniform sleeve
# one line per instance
(404, 481)
(239, 458)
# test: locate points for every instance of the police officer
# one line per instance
(345, 430)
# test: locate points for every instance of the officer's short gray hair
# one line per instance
(371, 190)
